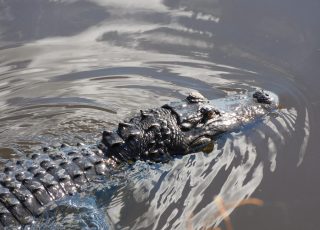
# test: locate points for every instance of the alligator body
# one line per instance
(28, 186)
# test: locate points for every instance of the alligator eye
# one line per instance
(209, 112)
(195, 97)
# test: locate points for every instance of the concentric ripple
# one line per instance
(70, 69)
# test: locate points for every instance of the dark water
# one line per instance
(70, 69)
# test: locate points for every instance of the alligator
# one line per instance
(30, 185)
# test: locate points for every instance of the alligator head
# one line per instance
(202, 120)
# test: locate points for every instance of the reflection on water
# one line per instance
(70, 69)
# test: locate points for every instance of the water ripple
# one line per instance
(66, 82)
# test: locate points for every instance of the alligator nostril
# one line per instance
(267, 95)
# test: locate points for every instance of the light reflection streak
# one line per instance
(272, 154)
(207, 17)
(154, 5)
(304, 145)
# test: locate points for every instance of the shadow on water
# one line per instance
(70, 69)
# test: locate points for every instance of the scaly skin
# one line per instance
(28, 186)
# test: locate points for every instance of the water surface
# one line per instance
(70, 69)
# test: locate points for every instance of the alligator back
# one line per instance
(28, 186)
